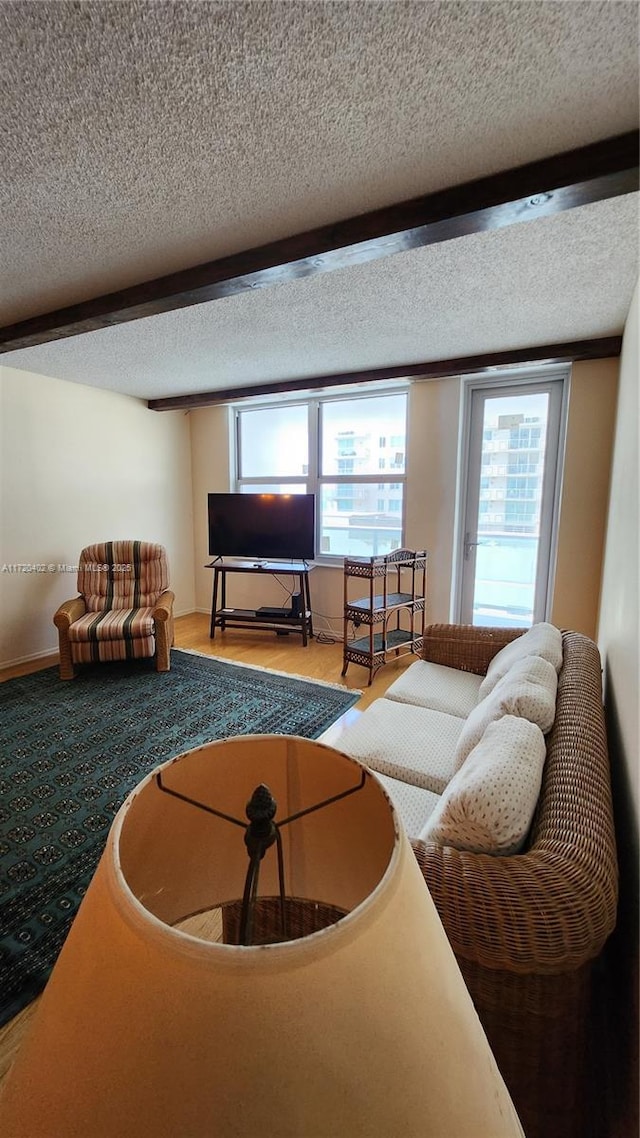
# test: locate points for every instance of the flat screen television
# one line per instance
(270, 527)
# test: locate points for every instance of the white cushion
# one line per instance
(438, 687)
(541, 639)
(489, 804)
(528, 690)
(414, 744)
(413, 804)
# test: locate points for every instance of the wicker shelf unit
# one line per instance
(393, 611)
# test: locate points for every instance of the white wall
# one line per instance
(618, 635)
(619, 627)
(80, 465)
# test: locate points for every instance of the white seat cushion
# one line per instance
(541, 639)
(438, 687)
(414, 744)
(489, 804)
(528, 690)
(413, 804)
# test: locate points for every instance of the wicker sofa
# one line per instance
(526, 928)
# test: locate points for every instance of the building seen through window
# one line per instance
(512, 474)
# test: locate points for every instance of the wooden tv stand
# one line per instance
(280, 620)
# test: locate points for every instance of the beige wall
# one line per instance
(210, 471)
(432, 462)
(585, 494)
(81, 465)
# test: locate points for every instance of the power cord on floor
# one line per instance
(325, 638)
(329, 637)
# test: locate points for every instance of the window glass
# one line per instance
(514, 433)
(346, 452)
(351, 427)
(274, 441)
(351, 524)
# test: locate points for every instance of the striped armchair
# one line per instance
(125, 608)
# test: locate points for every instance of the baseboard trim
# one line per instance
(53, 652)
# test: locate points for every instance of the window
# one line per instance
(331, 447)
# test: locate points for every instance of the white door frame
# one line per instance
(508, 381)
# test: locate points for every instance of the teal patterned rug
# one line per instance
(71, 751)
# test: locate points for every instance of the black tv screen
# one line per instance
(262, 526)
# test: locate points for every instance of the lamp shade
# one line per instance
(152, 1025)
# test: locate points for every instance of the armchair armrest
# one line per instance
(163, 618)
(163, 608)
(68, 612)
(63, 619)
(468, 647)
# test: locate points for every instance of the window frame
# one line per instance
(314, 480)
(554, 374)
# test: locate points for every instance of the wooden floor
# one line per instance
(318, 661)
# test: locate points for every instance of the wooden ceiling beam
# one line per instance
(604, 348)
(539, 189)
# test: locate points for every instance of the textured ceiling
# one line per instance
(140, 138)
(488, 292)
